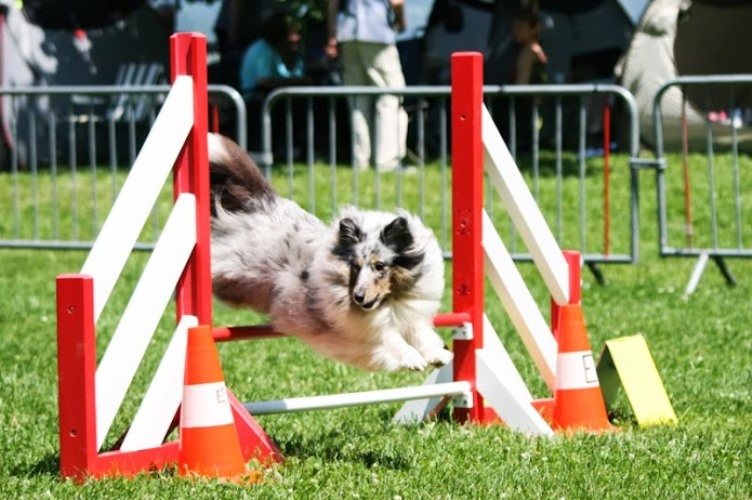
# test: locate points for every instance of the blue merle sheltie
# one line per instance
(362, 291)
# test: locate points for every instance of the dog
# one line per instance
(362, 291)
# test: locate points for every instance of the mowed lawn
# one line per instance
(701, 344)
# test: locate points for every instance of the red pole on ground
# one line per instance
(467, 204)
(76, 366)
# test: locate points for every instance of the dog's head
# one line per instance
(381, 261)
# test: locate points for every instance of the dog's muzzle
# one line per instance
(360, 297)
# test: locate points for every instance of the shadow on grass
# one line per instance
(622, 418)
(48, 466)
(332, 446)
(356, 445)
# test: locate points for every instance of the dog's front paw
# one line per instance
(413, 361)
(394, 359)
(440, 358)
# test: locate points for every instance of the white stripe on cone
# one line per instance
(576, 370)
(205, 405)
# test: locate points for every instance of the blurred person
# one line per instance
(525, 65)
(240, 23)
(530, 67)
(363, 33)
(275, 60)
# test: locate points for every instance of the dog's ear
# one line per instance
(349, 232)
(397, 235)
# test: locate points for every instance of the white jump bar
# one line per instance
(330, 401)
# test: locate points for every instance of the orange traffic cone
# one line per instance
(578, 401)
(209, 444)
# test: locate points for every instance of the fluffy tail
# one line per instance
(235, 179)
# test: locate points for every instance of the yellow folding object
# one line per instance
(626, 362)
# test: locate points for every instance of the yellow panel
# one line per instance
(626, 361)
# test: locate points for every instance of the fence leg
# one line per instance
(699, 268)
(694, 279)
(725, 271)
(596, 272)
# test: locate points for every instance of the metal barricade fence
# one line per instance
(70, 150)
(588, 192)
(701, 203)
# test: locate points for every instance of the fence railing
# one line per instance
(720, 185)
(71, 147)
(563, 136)
(70, 150)
(576, 144)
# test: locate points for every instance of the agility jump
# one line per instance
(480, 358)
(90, 395)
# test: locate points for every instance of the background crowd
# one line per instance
(267, 44)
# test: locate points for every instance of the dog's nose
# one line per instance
(359, 297)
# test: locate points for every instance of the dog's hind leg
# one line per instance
(429, 344)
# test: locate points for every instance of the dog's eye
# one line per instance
(379, 266)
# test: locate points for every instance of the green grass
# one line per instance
(701, 346)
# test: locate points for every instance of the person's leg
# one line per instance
(385, 70)
(353, 73)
